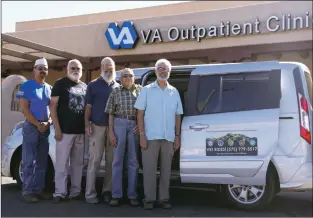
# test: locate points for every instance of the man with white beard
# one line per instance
(67, 111)
(159, 120)
(96, 127)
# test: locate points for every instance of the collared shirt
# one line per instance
(122, 100)
(98, 92)
(39, 96)
(161, 107)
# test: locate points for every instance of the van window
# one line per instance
(237, 92)
(308, 79)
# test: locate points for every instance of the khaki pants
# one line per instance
(71, 147)
(99, 147)
(150, 163)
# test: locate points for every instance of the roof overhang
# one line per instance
(20, 54)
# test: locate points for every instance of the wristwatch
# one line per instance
(142, 133)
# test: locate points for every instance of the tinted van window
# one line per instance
(234, 92)
(308, 79)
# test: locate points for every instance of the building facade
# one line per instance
(185, 33)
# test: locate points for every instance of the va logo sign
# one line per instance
(124, 37)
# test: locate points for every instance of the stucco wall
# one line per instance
(138, 13)
(89, 40)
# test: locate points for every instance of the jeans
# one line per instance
(35, 153)
(124, 132)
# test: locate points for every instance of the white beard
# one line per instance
(75, 77)
(163, 78)
(108, 79)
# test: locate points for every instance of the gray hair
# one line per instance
(163, 61)
(127, 70)
(107, 61)
(74, 61)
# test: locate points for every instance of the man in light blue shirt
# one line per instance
(159, 120)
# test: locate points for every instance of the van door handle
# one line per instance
(199, 126)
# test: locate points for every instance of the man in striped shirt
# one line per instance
(123, 133)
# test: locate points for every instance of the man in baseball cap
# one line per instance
(35, 95)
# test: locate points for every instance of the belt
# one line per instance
(126, 117)
(41, 121)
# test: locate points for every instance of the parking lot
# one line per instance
(186, 203)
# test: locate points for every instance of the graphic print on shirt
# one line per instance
(77, 99)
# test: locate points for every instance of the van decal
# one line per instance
(232, 145)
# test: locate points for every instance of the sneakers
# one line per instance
(30, 198)
(114, 202)
(77, 197)
(134, 202)
(165, 205)
(58, 199)
(106, 197)
(44, 196)
(148, 205)
(94, 200)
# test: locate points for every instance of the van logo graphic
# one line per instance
(252, 142)
(123, 37)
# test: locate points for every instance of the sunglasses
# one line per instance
(75, 68)
(127, 75)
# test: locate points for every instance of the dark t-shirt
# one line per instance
(98, 92)
(71, 105)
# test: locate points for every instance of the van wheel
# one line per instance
(17, 172)
(252, 197)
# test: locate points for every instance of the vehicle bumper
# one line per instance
(301, 181)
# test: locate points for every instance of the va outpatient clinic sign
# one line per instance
(126, 36)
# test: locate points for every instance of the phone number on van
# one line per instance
(248, 151)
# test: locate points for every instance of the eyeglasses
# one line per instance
(127, 75)
(162, 69)
(75, 68)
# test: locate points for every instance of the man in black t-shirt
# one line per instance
(67, 112)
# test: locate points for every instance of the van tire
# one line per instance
(268, 193)
(15, 171)
(16, 161)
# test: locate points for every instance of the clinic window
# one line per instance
(15, 105)
(238, 92)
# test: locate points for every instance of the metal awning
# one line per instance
(20, 54)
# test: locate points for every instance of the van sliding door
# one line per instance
(230, 128)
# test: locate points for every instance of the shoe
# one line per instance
(59, 199)
(94, 200)
(30, 198)
(134, 202)
(148, 205)
(114, 202)
(166, 205)
(77, 197)
(44, 196)
(107, 197)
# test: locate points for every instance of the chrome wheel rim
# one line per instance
(246, 194)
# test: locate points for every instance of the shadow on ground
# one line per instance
(186, 203)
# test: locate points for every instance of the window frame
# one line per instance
(195, 86)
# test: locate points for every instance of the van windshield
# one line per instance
(308, 79)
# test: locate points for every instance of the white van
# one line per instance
(246, 130)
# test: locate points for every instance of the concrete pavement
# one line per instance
(186, 203)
